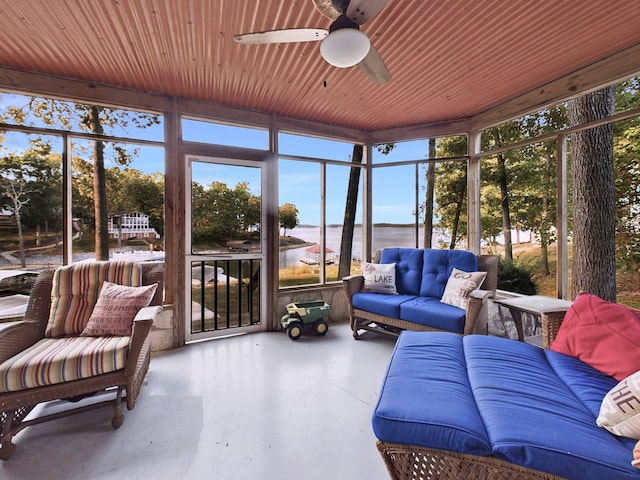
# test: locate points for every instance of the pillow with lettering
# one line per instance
(459, 287)
(620, 408)
(379, 277)
(116, 308)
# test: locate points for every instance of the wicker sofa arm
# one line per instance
(352, 284)
(476, 318)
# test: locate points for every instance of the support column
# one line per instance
(473, 193)
(562, 266)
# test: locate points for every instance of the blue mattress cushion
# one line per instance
(433, 313)
(531, 407)
(408, 268)
(426, 398)
(437, 268)
(380, 303)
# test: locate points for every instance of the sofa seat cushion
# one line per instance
(57, 360)
(510, 394)
(380, 303)
(433, 313)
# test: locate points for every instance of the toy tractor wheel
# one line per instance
(294, 330)
(321, 327)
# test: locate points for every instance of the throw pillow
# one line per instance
(459, 287)
(116, 308)
(620, 409)
(379, 277)
(602, 334)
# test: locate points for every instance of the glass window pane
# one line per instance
(225, 208)
(299, 185)
(222, 134)
(313, 147)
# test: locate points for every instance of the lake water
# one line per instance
(382, 237)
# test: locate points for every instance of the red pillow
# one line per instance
(602, 334)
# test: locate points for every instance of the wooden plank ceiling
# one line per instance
(449, 59)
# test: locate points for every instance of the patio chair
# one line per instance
(85, 331)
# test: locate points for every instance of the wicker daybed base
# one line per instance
(408, 462)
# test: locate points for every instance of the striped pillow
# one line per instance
(59, 360)
(75, 291)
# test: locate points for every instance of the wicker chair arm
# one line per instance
(16, 337)
(352, 284)
(141, 328)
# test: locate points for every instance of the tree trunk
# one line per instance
(458, 213)
(23, 255)
(99, 188)
(429, 195)
(594, 246)
(544, 230)
(346, 243)
(506, 216)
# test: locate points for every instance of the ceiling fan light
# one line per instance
(345, 47)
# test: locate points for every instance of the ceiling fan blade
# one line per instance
(373, 67)
(361, 11)
(290, 35)
(326, 8)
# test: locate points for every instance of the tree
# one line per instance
(28, 179)
(594, 245)
(351, 203)
(288, 215)
(429, 196)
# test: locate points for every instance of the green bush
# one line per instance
(516, 277)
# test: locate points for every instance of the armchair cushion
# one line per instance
(58, 360)
(75, 291)
(116, 308)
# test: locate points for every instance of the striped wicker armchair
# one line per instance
(85, 331)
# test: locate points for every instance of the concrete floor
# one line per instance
(248, 407)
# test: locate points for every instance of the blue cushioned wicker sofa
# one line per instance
(476, 406)
(421, 277)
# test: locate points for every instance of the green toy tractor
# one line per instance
(306, 316)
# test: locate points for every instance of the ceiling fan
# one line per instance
(343, 45)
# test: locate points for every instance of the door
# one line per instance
(224, 247)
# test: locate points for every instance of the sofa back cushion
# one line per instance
(437, 268)
(408, 268)
(75, 291)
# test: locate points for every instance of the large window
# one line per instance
(314, 178)
(113, 207)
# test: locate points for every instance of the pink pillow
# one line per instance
(116, 308)
(602, 334)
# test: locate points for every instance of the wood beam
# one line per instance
(612, 69)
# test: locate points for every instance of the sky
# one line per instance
(394, 189)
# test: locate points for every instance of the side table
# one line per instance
(550, 311)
